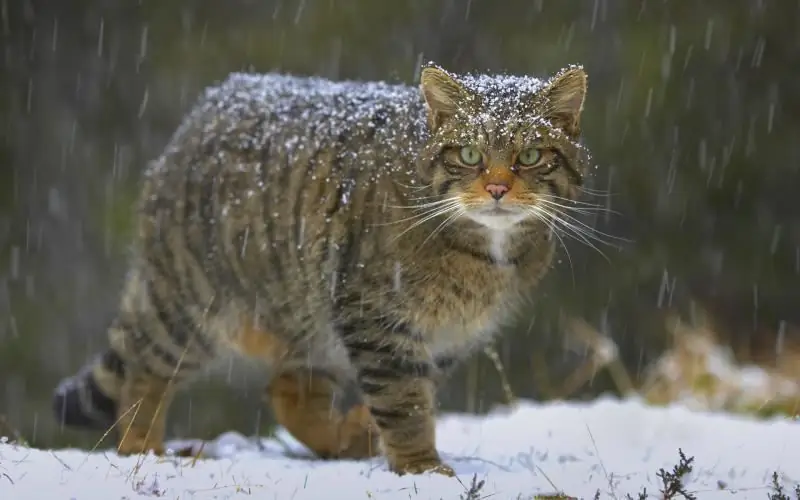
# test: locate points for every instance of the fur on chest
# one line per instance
(460, 312)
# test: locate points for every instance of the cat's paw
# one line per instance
(435, 466)
(359, 435)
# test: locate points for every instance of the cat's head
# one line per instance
(503, 150)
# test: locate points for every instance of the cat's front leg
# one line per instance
(395, 376)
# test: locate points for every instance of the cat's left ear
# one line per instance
(564, 97)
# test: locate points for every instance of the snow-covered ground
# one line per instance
(609, 445)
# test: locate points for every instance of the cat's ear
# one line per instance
(564, 97)
(442, 93)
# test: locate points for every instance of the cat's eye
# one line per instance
(470, 155)
(529, 157)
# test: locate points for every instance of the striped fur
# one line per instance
(305, 223)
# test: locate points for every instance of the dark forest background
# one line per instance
(693, 114)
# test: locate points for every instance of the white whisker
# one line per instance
(424, 211)
(574, 229)
(573, 202)
(578, 209)
(594, 192)
(554, 231)
(589, 229)
(427, 204)
(444, 224)
(413, 188)
(432, 214)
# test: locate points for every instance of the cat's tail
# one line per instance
(89, 398)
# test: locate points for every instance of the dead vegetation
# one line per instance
(699, 371)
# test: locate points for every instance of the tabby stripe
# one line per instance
(358, 326)
(554, 187)
(347, 254)
(370, 195)
(395, 368)
(311, 200)
(268, 196)
(444, 187)
(370, 346)
(213, 226)
(298, 202)
(202, 194)
(371, 388)
(226, 273)
(187, 221)
(208, 222)
(145, 348)
(175, 364)
(98, 401)
(407, 366)
(384, 414)
(178, 326)
(128, 327)
(111, 361)
(484, 256)
(564, 162)
(178, 323)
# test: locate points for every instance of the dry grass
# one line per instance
(699, 370)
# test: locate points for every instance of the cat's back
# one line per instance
(284, 136)
(251, 111)
(271, 179)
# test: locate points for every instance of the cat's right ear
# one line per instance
(442, 93)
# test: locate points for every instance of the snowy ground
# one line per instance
(612, 446)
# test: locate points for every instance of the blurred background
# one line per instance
(692, 117)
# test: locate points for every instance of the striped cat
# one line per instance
(339, 232)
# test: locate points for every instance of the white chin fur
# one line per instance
(499, 226)
(496, 222)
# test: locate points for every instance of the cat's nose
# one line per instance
(497, 190)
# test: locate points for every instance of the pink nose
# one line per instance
(497, 190)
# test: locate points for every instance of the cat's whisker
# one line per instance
(574, 202)
(581, 236)
(568, 208)
(413, 188)
(580, 211)
(594, 232)
(600, 193)
(579, 232)
(427, 204)
(577, 222)
(554, 231)
(449, 220)
(423, 213)
(428, 197)
(584, 234)
(428, 216)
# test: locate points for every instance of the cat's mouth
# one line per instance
(498, 210)
(497, 216)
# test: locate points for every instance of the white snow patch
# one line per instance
(613, 446)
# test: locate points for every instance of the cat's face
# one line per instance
(503, 149)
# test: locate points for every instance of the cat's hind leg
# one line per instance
(304, 400)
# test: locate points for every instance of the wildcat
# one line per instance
(339, 232)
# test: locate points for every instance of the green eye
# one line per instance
(529, 157)
(470, 155)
